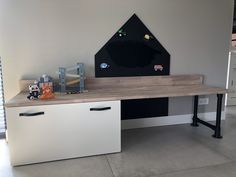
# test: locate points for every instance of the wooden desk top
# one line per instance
(111, 94)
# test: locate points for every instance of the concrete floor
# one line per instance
(169, 151)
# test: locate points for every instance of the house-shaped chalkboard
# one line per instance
(132, 51)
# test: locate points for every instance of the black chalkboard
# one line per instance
(132, 51)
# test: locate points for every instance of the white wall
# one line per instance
(38, 36)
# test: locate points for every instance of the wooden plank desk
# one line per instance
(125, 88)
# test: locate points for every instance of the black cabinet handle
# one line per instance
(100, 109)
(31, 114)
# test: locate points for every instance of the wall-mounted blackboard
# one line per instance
(134, 51)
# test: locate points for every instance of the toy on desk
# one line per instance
(72, 83)
(45, 79)
(46, 86)
(47, 91)
(34, 91)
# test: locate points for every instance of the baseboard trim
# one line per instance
(167, 120)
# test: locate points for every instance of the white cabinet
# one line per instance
(53, 132)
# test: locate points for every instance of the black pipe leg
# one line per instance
(195, 110)
(217, 133)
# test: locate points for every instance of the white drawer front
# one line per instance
(63, 131)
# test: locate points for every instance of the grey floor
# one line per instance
(169, 151)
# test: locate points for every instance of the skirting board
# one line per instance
(168, 120)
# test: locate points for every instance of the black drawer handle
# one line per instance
(31, 114)
(100, 109)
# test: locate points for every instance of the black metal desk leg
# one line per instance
(195, 110)
(217, 133)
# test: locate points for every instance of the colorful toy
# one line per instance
(47, 91)
(34, 91)
(46, 86)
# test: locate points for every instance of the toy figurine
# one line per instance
(47, 91)
(34, 91)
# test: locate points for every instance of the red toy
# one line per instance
(47, 91)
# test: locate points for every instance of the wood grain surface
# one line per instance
(132, 82)
(92, 83)
(119, 94)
